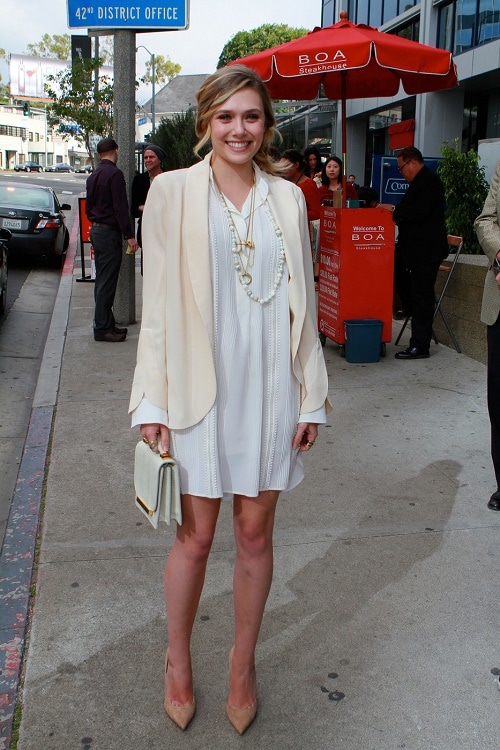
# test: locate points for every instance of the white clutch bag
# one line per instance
(157, 486)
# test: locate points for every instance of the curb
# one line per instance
(18, 553)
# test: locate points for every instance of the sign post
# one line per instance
(123, 21)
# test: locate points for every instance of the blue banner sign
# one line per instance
(388, 181)
(128, 14)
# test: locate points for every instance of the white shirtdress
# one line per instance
(244, 444)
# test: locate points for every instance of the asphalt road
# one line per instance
(32, 290)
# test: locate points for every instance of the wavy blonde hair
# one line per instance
(221, 86)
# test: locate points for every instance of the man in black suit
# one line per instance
(107, 209)
(422, 244)
(352, 180)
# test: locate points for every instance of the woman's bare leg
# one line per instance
(183, 584)
(253, 572)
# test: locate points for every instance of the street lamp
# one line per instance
(153, 73)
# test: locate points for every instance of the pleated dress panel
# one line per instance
(244, 444)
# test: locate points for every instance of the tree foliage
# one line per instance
(59, 46)
(465, 188)
(77, 103)
(4, 87)
(52, 45)
(106, 49)
(263, 37)
(177, 137)
(165, 70)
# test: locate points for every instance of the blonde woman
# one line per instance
(230, 374)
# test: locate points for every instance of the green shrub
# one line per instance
(465, 187)
(177, 137)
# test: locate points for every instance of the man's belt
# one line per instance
(105, 226)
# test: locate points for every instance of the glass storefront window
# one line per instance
(446, 27)
(376, 12)
(390, 10)
(489, 21)
(362, 13)
(327, 18)
(466, 17)
(409, 31)
(464, 24)
(313, 125)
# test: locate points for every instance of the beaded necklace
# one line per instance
(244, 251)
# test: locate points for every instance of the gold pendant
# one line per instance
(245, 278)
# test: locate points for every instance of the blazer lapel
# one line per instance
(196, 239)
(288, 222)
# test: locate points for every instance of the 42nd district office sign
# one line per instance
(128, 14)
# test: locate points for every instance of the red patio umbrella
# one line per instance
(351, 61)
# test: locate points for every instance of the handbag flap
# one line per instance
(148, 476)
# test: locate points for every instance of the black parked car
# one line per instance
(5, 236)
(28, 166)
(36, 219)
(60, 167)
(63, 167)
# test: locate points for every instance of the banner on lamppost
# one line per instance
(129, 14)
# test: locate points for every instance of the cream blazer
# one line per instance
(487, 226)
(175, 364)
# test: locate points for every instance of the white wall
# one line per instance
(49, 148)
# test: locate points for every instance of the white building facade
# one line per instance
(25, 136)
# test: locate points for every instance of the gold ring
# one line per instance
(153, 443)
(145, 440)
(310, 443)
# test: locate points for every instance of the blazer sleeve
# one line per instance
(150, 377)
(487, 223)
(307, 353)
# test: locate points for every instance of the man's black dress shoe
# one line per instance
(494, 503)
(111, 336)
(401, 315)
(120, 330)
(412, 353)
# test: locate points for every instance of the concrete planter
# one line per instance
(462, 306)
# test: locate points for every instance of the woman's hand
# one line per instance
(156, 435)
(306, 434)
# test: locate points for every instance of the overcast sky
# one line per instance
(197, 50)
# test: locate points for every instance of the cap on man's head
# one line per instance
(160, 153)
(105, 145)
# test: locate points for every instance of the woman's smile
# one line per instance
(237, 128)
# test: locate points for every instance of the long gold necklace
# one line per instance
(246, 249)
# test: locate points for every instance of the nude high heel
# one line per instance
(240, 718)
(180, 715)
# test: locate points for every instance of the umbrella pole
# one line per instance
(344, 139)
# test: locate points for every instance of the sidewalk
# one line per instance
(382, 626)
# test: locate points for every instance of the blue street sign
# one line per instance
(128, 14)
(142, 121)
